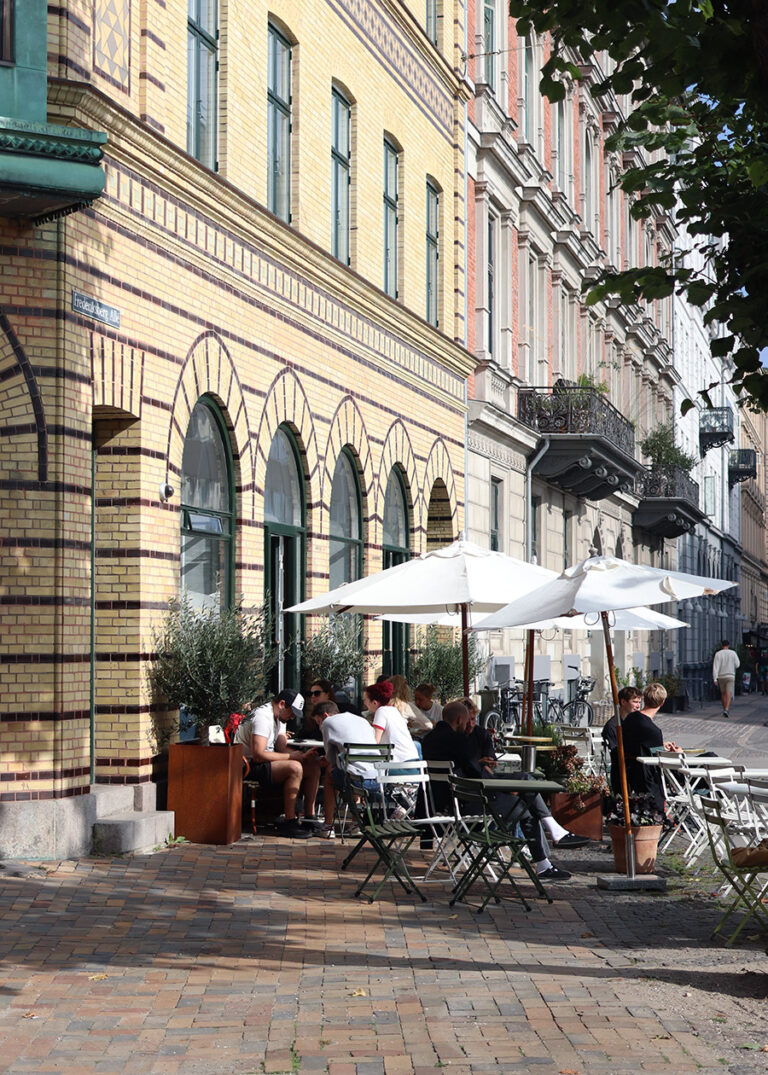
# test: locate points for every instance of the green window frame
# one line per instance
(395, 636)
(433, 254)
(391, 166)
(279, 125)
(202, 78)
(7, 11)
(341, 169)
(345, 548)
(207, 509)
(285, 557)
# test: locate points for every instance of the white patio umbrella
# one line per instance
(601, 584)
(462, 577)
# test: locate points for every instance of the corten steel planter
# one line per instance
(582, 814)
(646, 845)
(205, 792)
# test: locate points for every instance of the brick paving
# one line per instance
(257, 958)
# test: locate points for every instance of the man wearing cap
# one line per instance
(265, 744)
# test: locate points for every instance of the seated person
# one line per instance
(641, 733)
(480, 746)
(448, 741)
(423, 701)
(389, 726)
(265, 744)
(630, 700)
(338, 729)
(320, 690)
(418, 723)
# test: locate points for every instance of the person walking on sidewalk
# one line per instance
(724, 673)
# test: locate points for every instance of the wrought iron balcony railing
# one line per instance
(574, 409)
(669, 483)
(742, 465)
(715, 428)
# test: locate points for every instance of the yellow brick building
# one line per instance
(272, 279)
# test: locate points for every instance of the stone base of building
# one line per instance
(64, 828)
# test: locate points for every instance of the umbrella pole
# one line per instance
(529, 684)
(629, 837)
(465, 649)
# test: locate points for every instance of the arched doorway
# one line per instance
(207, 509)
(396, 549)
(284, 552)
(345, 531)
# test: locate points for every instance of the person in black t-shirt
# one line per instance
(641, 735)
(630, 700)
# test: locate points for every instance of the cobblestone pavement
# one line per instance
(257, 958)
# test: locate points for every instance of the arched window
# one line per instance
(284, 554)
(346, 538)
(529, 91)
(396, 530)
(207, 515)
(589, 183)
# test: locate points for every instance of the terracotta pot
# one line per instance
(205, 792)
(580, 814)
(646, 844)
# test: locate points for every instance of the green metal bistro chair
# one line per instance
(365, 754)
(389, 840)
(485, 844)
(747, 885)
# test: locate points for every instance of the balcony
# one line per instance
(742, 465)
(669, 504)
(591, 449)
(715, 428)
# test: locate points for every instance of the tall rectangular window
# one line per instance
(340, 163)
(433, 254)
(279, 125)
(491, 277)
(497, 500)
(489, 42)
(202, 66)
(536, 542)
(432, 21)
(6, 31)
(390, 218)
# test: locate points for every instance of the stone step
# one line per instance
(112, 798)
(128, 831)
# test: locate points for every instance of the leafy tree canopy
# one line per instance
(697, 143)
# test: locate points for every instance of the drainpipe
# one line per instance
(534, 459)
(466, 458)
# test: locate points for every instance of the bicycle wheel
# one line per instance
(555, 713)
(493, 722)
(578, 713)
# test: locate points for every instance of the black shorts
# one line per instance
(260, 771)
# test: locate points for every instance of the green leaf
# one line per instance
(758, 172)
(686, 405)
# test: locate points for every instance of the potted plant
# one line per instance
(659, 447)
(646, 822)
(673, 684)
(214, 663)
(335, 652)
(440, 662)
(579, 807)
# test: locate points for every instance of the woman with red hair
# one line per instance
(389, 725)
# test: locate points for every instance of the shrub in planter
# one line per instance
(210, 661)
(579, 807)
(440, 662)
(646, 822)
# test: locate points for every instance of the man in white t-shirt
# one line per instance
(724, 673)
(265, 744)
(338, 729)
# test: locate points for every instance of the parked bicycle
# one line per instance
(578, 712)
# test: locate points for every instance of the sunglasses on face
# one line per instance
(315, 694)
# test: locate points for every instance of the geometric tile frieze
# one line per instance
(112, 40)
